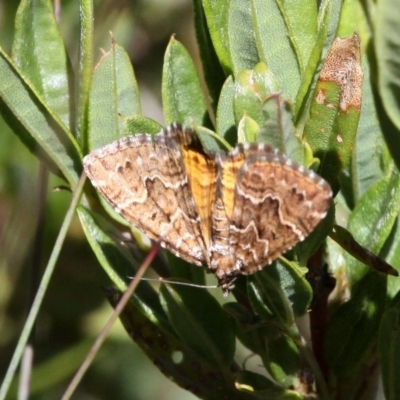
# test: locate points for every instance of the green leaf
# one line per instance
(213, 72)
(242, 41)
(119, 265)
(115, 259)
(210, 141)
(308, 80)
(182, 95)
(391, 253)
(247, 130)
(294, 285)
(387, 47)
(125, 82)
(225, 120)
(301, 23)
(355, 18)
(252, 88)
(195, 310)
(39, 52)
(389, 351)
(250, 330)
(113, 93)
(345, 239)
(373, 218)
(353, 327)
(85, 68)
(369, 151)
(275, 44)
(320, 126)
(140, 124)
(335, 110)
(278, 129)
(268, 340)
(328, 18)
(328, 21)
(280, 292)
(38, 127)
(217, 12)
(283, 357)
(358, 319)
(174, 359)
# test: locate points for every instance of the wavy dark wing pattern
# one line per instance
(235, 211)
(143, 177)
(276, 204)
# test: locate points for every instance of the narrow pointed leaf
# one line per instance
(328, 21)
(368, 156)
(391, 253)
(301, 21)
(225, 124)
(140, 124)
(252, 88)
(39, 51)
(275, 45)
(280, 292)
(195, 310)
(283, 356)
(242, 41)
(36, 125)
(347, 242)
(335, 109)
(213, 72)
(174, 359)
(387, 47)
(85, 68)
(278, 129)
(373, 218)
(118, 263)
(113, 95)
(247, 130)
(217, 13)
(182, 95)
(358, 322)
(114, 259)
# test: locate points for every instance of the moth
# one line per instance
(233, 212)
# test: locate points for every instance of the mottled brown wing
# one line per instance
(277, 205)
(271, 204)
(143, 177)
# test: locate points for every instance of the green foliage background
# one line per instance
(256, 55)
(75, 307)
